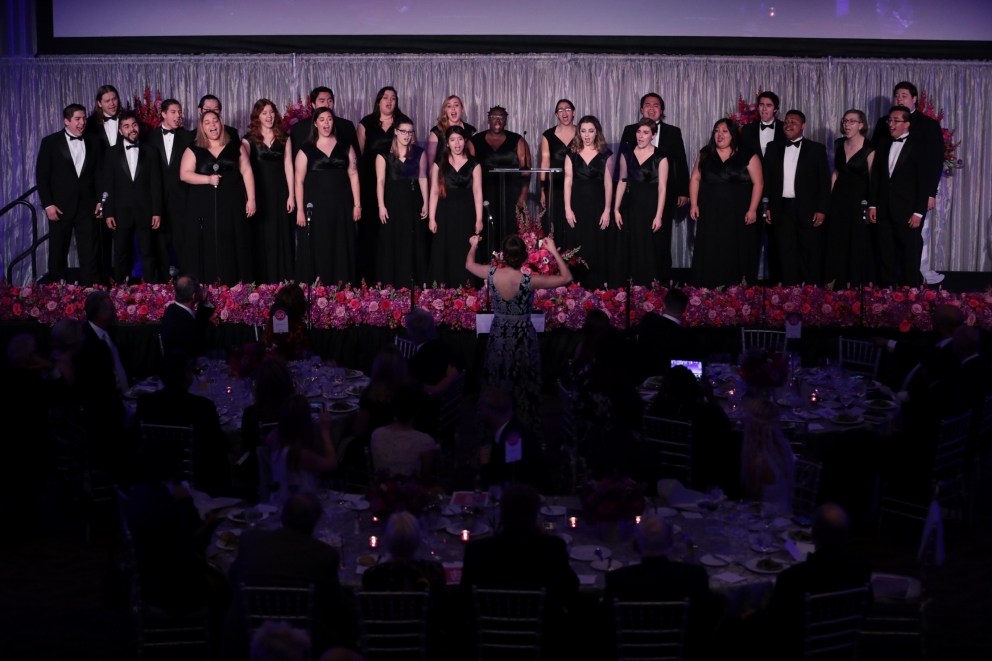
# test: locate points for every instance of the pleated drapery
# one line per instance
(697, 91)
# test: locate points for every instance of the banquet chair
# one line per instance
(806, 488)
(650, 630)
(178, 440)
(508, 622)
(859, 356)
(672, 443)
(833, 623)
(451, 408)
(407, 347)
(753, 338)
(393, 625)
(896, 624)
(264, 461)
(292, 603)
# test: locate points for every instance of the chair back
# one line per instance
(281, 602)
(752, 338)
(833, 623)
(806, 488)
(509, 621)
(672, 443)
(859, 356)
(567, 400)
(407, 347)
(650, 630)
(393, 624)
(952, 442)
(450, 413)
(177, 443)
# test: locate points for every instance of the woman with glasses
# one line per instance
(455, 207)
(401, 192)
(375, 136)
(554, 148)
(452, 113)
(850, 241)
(588, 198)
(498, 148)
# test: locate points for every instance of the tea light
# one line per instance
(465, 535)
(375, 519)
(814, 397)
(732, 392)
(637, 519)
(373, 541)
(228, 390)
(573, 522)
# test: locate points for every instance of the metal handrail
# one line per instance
(36, 241)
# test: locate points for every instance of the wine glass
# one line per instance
(252, 516)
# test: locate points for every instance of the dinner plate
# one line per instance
(477, 529)
(605, 565)
(765, 565)
(354, 391)
(440, 523)
(238, 515)
(880, 404)
(336, 395)
(342, 407)
(588, 553)
(353, 374)
(847, 419)
(228, 542)
(713, 560)
(797, 536)
(553, 510)
(565, 536)
(766, 548)
(356, 505)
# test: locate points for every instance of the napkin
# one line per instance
(587, 579)
(728, 577)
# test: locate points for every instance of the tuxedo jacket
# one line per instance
(58, 182)
(906, 190)
(659, 340)
(344, 130)
(96, 382)
(812, 182)
(924, 131)
(183, 331)
(94, 129)
(671, 145)
(132, 202)
(750, 136)
(173, 188)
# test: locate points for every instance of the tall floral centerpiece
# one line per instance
(746, 112)
(764, 370)
(611, 504)
(539, 260)
(148, 108)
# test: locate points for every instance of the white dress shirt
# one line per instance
(789, 170)
(895, 150)
(168, 139)
(765, 135)
(77, 149)
(110, 127)
(132, 157)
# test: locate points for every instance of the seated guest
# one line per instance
(273, 386)
(403, 571)
(662, 337)
(67, 337)
(286, 328)
(973, 371)
(657, 578)
(520, 556)
(278, 640)
(513, 454)
(831, 568)
(596, 329)
(185, 320)
(398, 448)
(432, 364)
(291, 556)
(175, 405)
(299, 449)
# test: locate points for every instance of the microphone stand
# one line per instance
(216, 168)
(313, 266)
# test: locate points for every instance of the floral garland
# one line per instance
(296, 112)
(903, 308)
(951, 160)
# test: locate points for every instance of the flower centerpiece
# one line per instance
(762, 368)
(611, 503)
(296, 112)
(951, 160)
(539, 260)
(746, 112)
(148, 109)
(399, 493)
(243, 361)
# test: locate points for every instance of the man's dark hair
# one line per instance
(907, 114)
(906, 85)
(317, 91)
(176, 369)
(94, 303)
(301, 512)
(771, 96)
(518, 509)
(126, 114)
(676, 301)
(209, 97)
(653, 95)
(72, 109)
(168, 103)
(798, 113)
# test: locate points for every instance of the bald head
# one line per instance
(653, 536)
(830, 527)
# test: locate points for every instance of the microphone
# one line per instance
(309, 212)
(103, 198)
(764, 208)
(488, 211)
(864, 211)
(216, 169)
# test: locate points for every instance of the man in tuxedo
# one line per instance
(669, 141)
(513, 455)
(656, 578)
(103, 125)
(928, 134)
(170, 140)
(210, 103)
(186, 319)
(132, 178)
(797, 181)
(66, 176)
(661, 337)
(898, 201)
(344, 130)
(756, 135)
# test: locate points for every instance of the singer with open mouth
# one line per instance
(725, 191)
(850, 235)
(455, 210)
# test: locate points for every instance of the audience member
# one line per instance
(186, 319)
(273, 387)
(432, 364)
(662, 337)
(398, 448)
(512, 455)
(403, 571)
(286, 328)
(300, 450)
(278, 640)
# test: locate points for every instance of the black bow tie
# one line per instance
(168, 131)
(797, 143)
(899, 139)
(110, 119)
(74, 137)
(130, 146)
(767, 126)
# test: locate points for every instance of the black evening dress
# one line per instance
(272, 225)
(588, 202)
(329, 251)
(455, 216)
(218, 235)
(377, 142)
(513, 361)
(724, 249)
(555, 189)
(503, 209)
(401, 256)
(850, 243)
(469, 131)
(638, 245)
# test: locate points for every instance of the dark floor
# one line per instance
(58, 600)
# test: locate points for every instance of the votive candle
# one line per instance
(373, 541)
(465, 535)
(573, 522)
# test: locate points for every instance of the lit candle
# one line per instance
(637, 519)
(375, 519)
(373, 541)
(465, 535)
(228, 390)
(573, 522)
(814, 397)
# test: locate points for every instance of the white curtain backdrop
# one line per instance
(697, 91)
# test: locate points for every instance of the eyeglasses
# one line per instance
(851, 121)
(406, 131)
(897, 121)
(561, 110)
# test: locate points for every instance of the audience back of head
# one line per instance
(831, 530)
(402, 536)
(653, 536)
(420, 326)
(301, 512)
(518, 509)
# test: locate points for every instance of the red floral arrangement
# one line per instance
(399, 493)
(539, 260)
(763, 368)
(296, 112)
(611, 498)
(746, 112)
(951, 160)
(147, 109)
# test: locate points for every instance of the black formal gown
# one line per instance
(377, 142)
(638, 245)
(850, 242)
(441, 143)
(503, 209)
(455, 218)
(402, 245)
(217, 228)
(272, 226)
(725, 249)
(329, 251)
(588, 202)
(555, 189)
